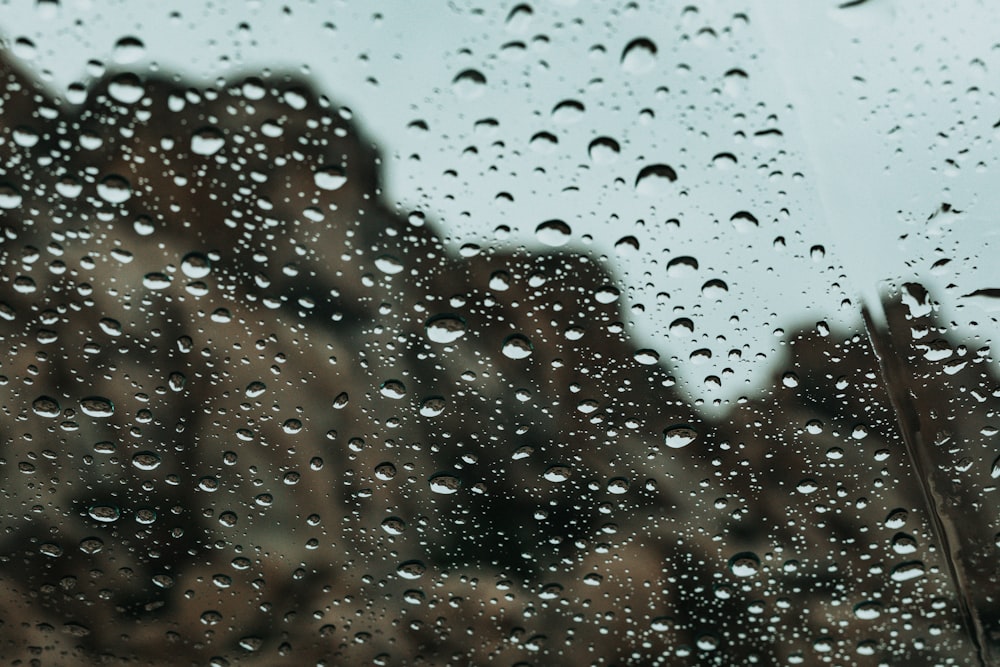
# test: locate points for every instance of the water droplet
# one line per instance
(196, 265)
(126, 88)
(292, 426)
(331, 177)
(445, 328)
(807, 486)
(618, 485)
(682, 267)
(647, 357)
(114, 189)
(678, 436)
(128, 50)
(228, 519)
(388, 264)
(906, 571)
(568, 111)
(45, 406)
(592, 579)
(156, 281)
(558, 473)
(904, 544)
(255, 389)
(469, 84)
(661, 623)
(896, 519)
(603, 150)
(393, 389)
(681, 327)
(146, 460)
(411, 569)
(385, 471)
(639, 56)
(745, 564)
(10, 197)
(444, 483)
(433, 406)
(517, 346)
(868, 610)
(104, 513)
(714, 289)
(207, 141)
(97, 406)
(627, 245)
(393, 525)
(553, 233)
(744, 221)
(655, 180)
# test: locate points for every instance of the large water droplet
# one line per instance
(97, 406)
(207, 141)
(469, 84)
(639, 56)
(603, 150)
(553, 233)
(45, 406)
(558, 473)
(445, 328)
(114, 189)
(745, 564)
(196, 265)
(679, 435)
(411, 569)
(906, 571)
(654, 180)
(444, 483)
(331, 177)
(517, 346)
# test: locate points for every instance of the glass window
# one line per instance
(549, 333)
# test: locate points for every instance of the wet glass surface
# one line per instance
(523, 334)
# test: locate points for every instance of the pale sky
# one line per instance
(885, 111)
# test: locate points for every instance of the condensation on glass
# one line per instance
(522, 334)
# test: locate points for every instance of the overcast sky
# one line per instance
(810, 143)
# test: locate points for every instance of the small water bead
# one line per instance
(444, 483)
(97, 406)
(553, 233)
(445, 328)
(744, 564)
(679, 436)
(517, 346)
